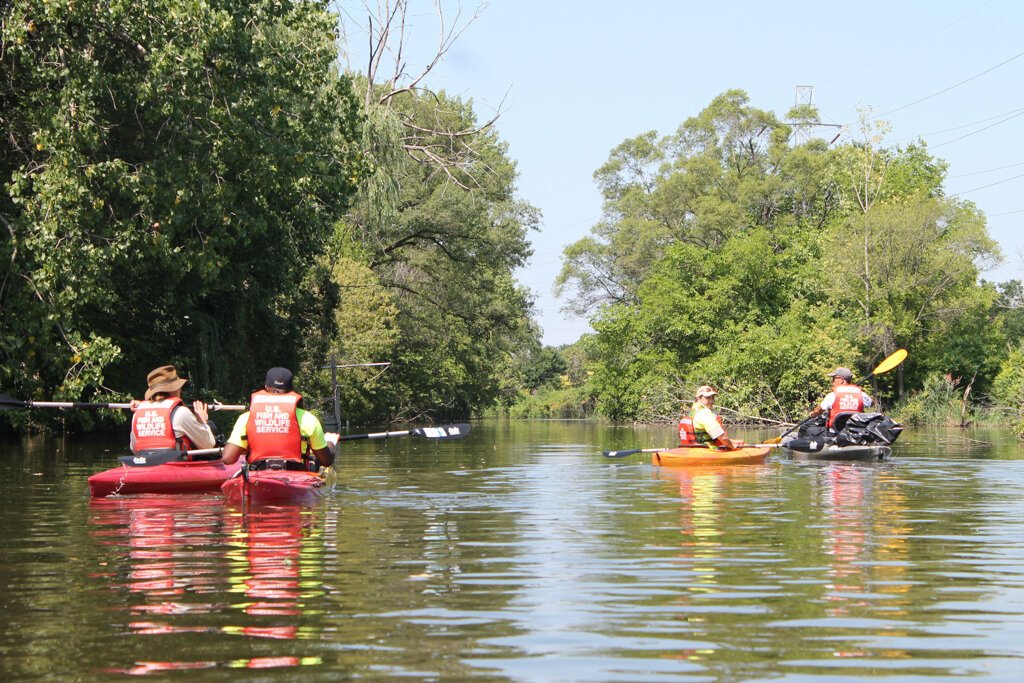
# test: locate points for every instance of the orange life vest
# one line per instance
(153, 426)
(686, 435)
(273, 427)
(849, 398)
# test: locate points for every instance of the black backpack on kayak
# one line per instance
(849, 429)
(854, 429)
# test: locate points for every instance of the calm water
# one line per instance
(521, 554)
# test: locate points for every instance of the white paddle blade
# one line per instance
(456, 431)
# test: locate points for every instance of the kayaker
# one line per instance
(163, 422)
(703, 425)
(276, 433)
(845, 397)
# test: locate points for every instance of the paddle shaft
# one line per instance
(7, 402)
(376, 435)
(205, 451)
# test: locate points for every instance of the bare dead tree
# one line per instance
(388, 74)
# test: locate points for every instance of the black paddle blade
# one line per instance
(805, 445)
(9, 403)
(621, 454)
(456, 431)
(151, 458)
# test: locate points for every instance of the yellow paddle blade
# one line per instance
(773, 440)
(890, 362)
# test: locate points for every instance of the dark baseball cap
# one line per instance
(842, 372)
(279, 378)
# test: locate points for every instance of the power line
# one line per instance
(967, 135)
(998, 182)
(945, 90)
(904, 49)
(966, 125)
(987, 170)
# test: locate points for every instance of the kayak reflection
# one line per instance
(189, 558)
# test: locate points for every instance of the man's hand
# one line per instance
(202, 411)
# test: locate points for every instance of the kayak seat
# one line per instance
(277, 464)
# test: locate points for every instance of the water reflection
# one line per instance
(183, 557)
(522, 554)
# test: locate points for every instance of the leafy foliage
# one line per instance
(443, 243)
(170, 169)
(728, 256)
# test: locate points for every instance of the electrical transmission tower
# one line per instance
(803, 130)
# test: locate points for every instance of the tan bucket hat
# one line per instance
(163, 380)
(706, 391)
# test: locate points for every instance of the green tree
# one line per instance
(905, 270)
(442, 236)
(169, 169)
(728, 256)
(727, 171)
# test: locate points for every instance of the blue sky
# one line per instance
(577, 78)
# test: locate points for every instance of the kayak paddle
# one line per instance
(886, 365)
(8, 403)
(455, 431)
(150, 458)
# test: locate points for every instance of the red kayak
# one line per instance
(274, 487)
(169, 477)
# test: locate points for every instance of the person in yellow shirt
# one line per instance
(276, 429)
(707, 425)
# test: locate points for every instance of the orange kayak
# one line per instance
(688, 457)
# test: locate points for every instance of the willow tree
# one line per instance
(436, 233)
(168, 168)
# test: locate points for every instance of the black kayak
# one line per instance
(854, 437)
(855, 453)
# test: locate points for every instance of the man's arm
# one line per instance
(825, 406)
(194, 426)
(322, 448)
(236, 446)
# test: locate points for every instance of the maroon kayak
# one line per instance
(274, 487)
(170, 477)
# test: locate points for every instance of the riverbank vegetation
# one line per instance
(209, 185)
(728, 255)
(203, 185)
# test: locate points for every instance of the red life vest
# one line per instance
(848, 399)
(153, 426)
(686, 435)
(273, 427)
